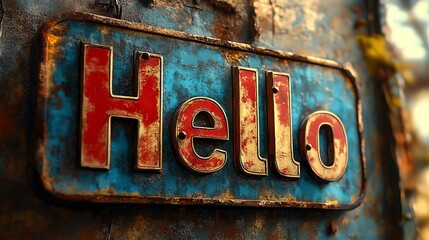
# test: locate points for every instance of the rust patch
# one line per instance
(233, 20)
(227, 195)
(225, 5)
(233, 56)
(230, 28)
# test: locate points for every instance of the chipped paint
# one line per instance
(184, 132)
(337, 145)
(233, 57)
(247, 158)
(280, 125)
(99, 106)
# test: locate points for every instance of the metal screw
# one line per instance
(145, 56)
(308, 147)
(275, 90)
(182, 135)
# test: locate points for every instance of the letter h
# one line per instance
(99, 104)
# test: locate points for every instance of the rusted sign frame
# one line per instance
(40, 133)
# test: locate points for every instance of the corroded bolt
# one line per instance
(145, 56)
(182, 135)
(332, 229)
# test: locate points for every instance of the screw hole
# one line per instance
(145, 56)
(308, 147)
(275, 90)
(182, 135)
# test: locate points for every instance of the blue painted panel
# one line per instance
(190, 69)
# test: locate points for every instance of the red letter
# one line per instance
(184, 132)
(99, 105)
(280, 125)
(337, 149)
(246, 123)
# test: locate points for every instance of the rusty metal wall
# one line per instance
(325, 29)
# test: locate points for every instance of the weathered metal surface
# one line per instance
(307, 27)
(337, 146)
(184, 132)
(247, 142)
(100, 104)
(280, 125)
(194, 66)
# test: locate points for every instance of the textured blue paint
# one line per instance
(190, 70)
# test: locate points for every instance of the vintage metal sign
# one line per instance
(131, 113)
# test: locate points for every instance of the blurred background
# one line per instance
(405, 23)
